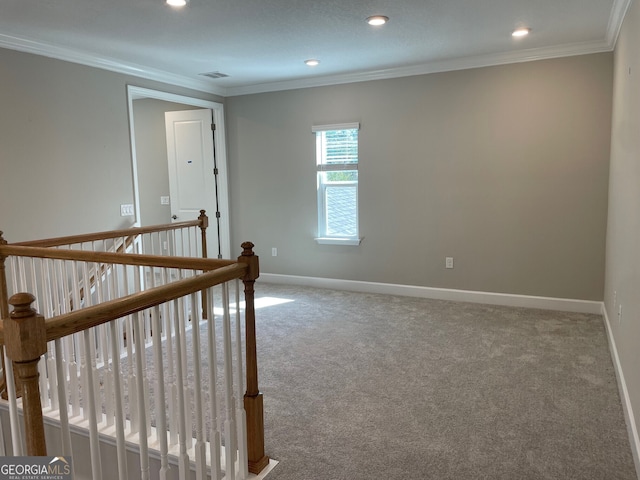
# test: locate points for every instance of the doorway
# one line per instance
(151, 176)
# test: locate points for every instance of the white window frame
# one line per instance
(323, 238)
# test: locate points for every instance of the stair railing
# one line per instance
(76, 326)
(186, 239)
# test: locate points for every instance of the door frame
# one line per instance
(220, 148)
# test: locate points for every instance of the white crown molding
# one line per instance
(104, 63)
(618, 12)
(615, 21)
(432, 67)
(490, 298)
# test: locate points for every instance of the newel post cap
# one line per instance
(251, 259)
(25, 333)
(204, 219)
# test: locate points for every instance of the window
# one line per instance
(337, 173)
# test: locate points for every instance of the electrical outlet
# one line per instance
(448, 262)
(620, 313)
(274, 252)
(165, 200)
(126, 210)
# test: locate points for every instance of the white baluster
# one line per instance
(94, 441)
(183, 457)
(200, 447)
(164, 243)
(83, 382)
(184, 240)
(63, 401)
(214, 435)
(118, 394)
(161, 414)
(133, 388)
(146, 341)
(51, 380)
(143, 405)
(229, 424)
(51, 397)
(18, 275)
(16, 431)
(173, 388)
(84, 352)
(74, 386)
(95, 377)
(110, 394)
(153, 244)
(172, 244)
(189, 250)
(132, 383)
(186, 388)
(71, 296)
(241, 416)
(108, 377)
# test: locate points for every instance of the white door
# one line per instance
(192, 170)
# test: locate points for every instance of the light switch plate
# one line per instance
(126, 210)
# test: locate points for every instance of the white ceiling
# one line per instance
(262, 44)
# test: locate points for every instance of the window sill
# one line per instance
(338, 241)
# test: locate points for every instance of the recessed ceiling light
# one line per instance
(312, 62)
(176, 3)
(377, 20)
(521, 32)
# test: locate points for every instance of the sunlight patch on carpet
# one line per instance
(260, 302)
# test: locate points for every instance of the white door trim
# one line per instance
(135, 93)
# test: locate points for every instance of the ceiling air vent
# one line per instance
(214, 75)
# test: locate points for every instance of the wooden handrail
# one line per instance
(193, 263)
(67, 324)
(91, 237)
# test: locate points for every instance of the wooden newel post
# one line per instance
(253, 404)
(204, 224)
(26, 341)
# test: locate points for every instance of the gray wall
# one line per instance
(503, 168)
(151, 157)
(623, 233)
(65, 160)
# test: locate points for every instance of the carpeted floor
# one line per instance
(362, 386)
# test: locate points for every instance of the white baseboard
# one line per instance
(634, 440)
(545, 303)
